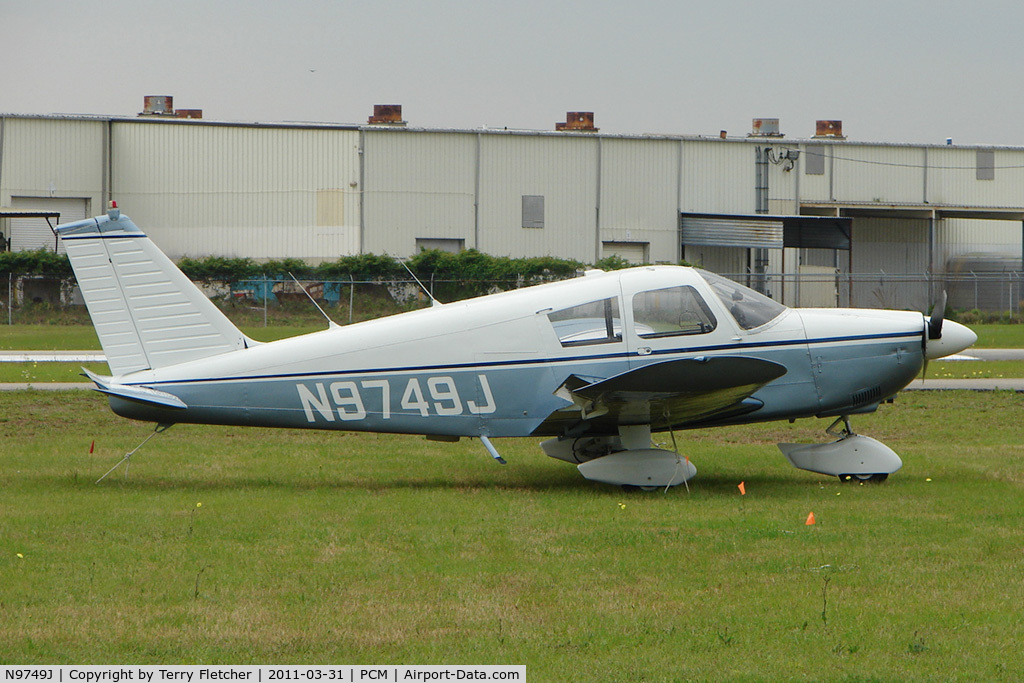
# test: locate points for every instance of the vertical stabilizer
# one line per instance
(147, 314)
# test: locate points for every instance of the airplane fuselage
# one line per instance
(492, 365)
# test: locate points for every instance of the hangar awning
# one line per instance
(764, 231)
(925, 211)
(5, 244)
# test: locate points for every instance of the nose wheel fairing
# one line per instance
(852, 456)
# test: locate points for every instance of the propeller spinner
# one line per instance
(945, 337)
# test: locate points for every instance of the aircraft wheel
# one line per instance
(876, 478)
(630, 488)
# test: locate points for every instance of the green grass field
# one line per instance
(227, 545)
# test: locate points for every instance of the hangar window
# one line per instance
(533, 211)
(671, 312)
(597, 322)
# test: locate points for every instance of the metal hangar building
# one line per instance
(775, 208)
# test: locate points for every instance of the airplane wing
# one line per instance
(666, 394)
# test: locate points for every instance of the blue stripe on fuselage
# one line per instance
(736, 346)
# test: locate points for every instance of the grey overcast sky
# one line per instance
(891, 70)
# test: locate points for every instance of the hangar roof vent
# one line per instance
(386, 115)
(579, 121)
(157, 105)
(829, 129)
(163, 105)
(765, 128)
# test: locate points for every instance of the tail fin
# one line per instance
(147, 314)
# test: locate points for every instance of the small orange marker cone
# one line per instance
(743, 489)
(810, 520)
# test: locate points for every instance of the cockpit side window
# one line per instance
(597, 322)
(671, 312)
(750, 309)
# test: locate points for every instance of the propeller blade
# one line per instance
(938, 315)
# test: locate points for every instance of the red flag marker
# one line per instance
(810, 519)
(92, 445)
(743, 489)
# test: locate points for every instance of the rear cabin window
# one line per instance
(597, 322)
(671, 312)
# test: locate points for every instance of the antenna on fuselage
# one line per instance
(433, 301)
(330, 323)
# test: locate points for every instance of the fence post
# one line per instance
(351, 296)
(263, 286)
(10, 297)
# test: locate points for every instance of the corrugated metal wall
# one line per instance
(905, 174)
(470, 186)
(717, 177)
(418, 185)
(639, 195)
(894, 247)
(958, 236)
(877, 174)
(266, 192)
(563, 170)
(203, 187)
(45, 157)
(953, 178)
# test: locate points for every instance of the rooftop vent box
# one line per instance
(157, 105)
(829, 129)
(578, 121)
(765, 128)
(386, 115)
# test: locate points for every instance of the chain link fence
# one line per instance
(992, 294)
(986, 293)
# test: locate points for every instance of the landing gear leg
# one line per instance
(846, 431)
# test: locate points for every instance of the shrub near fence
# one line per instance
(41, 285)
(367, 285)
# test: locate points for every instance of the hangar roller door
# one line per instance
(634, 252)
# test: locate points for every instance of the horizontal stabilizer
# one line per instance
(147, 314)
(136, 394)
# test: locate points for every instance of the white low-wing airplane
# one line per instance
(595, 363)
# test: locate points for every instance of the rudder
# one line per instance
(147, 314)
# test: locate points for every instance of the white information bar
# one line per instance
(341, 673)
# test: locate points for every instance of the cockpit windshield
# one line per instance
(750, 309)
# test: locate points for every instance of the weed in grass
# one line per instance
(192, 517)
(917, 646)
(195, 593)
(724, 637)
